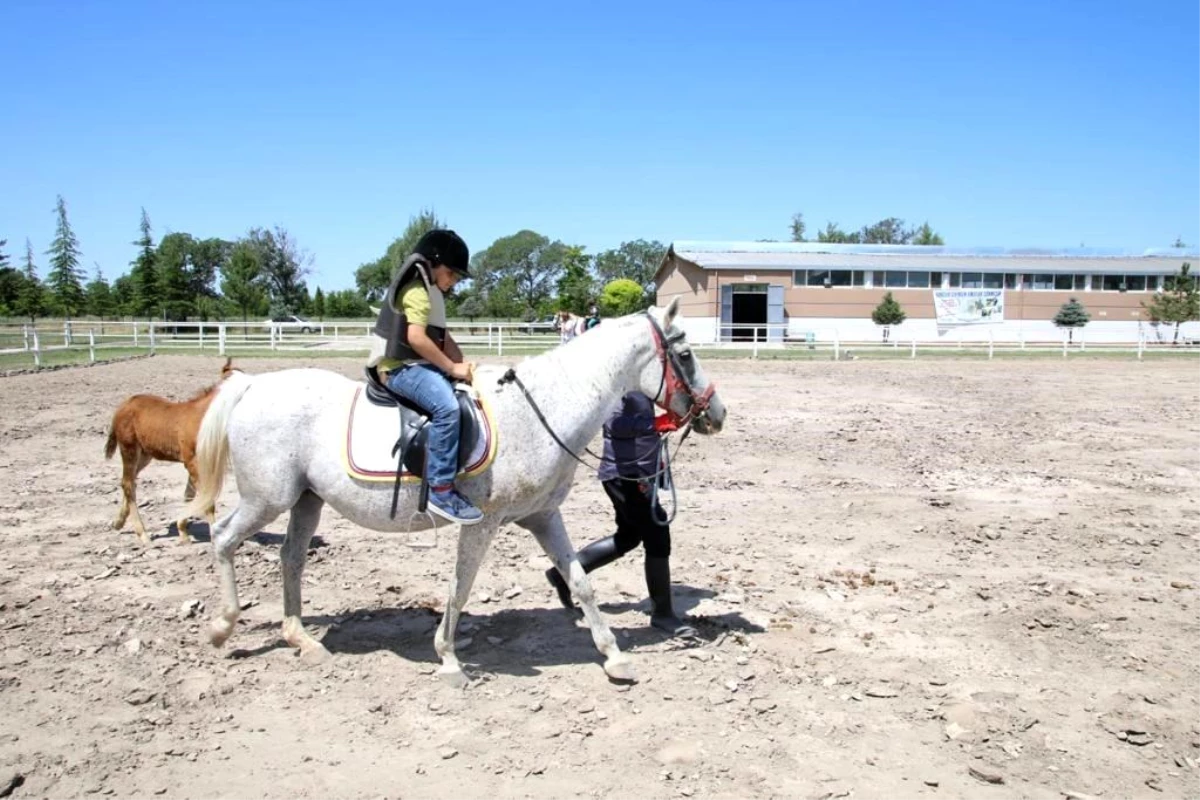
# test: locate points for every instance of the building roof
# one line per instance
(801, 255)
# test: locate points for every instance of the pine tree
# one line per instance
(319, 304)
(1178, 303)
(143, 274)
(100, 300)
(65, 278)
(32, 300)
(1072, 315)
(888, 313)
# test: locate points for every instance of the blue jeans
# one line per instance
(429, 388)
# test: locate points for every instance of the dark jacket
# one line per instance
(630, 440)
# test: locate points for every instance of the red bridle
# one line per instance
(672, 383)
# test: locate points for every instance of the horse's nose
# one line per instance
(716, 414)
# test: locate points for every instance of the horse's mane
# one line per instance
(226, 371)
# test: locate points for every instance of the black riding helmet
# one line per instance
(445, 247)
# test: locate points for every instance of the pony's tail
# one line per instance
(110, 446)
(212, 444)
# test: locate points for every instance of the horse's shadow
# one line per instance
(201, 534)
(516, 642)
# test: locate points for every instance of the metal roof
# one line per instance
(801, 255)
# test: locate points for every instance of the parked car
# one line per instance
(289, 322)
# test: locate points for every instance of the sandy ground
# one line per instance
(911, 578)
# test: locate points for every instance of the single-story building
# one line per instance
(776, 291)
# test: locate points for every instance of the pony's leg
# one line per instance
(189, 492)
(128, 479)
(246, 520)
(550, 532)
(137, 461)
(306, 514)
(473, 543)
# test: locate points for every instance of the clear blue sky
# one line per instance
(1010, 124)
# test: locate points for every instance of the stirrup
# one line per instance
(422, 545)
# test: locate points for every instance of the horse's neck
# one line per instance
(577, 385)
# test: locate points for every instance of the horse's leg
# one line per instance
(128, 478)
(473, 542)
(189, 492)
(246, 520)
(306, 514)
(137, 461)
(547, 527)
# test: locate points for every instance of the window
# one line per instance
(1067, 283)
(935, 280)
(895, 279)
(955, 280)
(1040, 282)
(1135, 283)
(1010, 280)
(817, 277)
(798, 277)
(993, 280)
(845, 277)
(918, 280)
(1112, 283)
(972, 280)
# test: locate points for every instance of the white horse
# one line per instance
(283, 433)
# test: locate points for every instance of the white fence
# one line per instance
(67, 342)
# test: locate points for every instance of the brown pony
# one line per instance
(147, 427)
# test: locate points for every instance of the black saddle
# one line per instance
(414, 432)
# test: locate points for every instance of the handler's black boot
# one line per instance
(595, 555)
(662, 613)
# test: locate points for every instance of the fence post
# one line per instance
(91, 346)
(1022, 338)
(200, 329)
(914, 348)
(1064, 345)
(837, 347)
(1141, 343)
(151, 326)
(67, 333)
(37, 350)
(135, 341)
(25, 336)
(755, 351)
(991, 343)
(272, 335)
(1082, 340)
(500, 341)
(489, 349)
(221, 339)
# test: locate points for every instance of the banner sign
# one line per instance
(968, 306)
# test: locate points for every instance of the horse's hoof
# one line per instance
(620, 671)
(315, 655)
(218, 631)
(453, 677)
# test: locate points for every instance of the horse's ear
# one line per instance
(672, 310)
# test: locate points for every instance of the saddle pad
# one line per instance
(372, 431)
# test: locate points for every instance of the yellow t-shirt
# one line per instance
(414, 304)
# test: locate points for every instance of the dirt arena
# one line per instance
(913, 579)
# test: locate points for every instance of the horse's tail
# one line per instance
(212, 444)
(110, 446)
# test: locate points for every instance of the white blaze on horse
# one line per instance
(284, 433)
